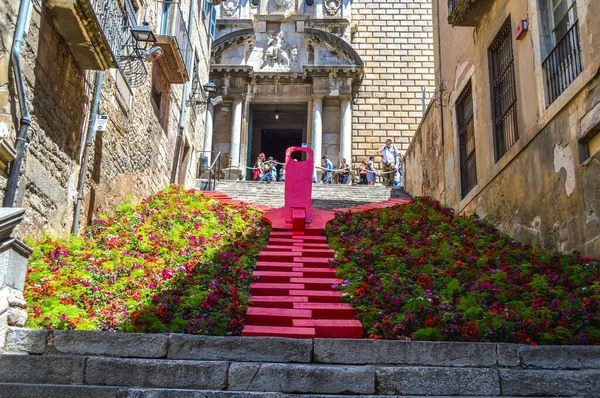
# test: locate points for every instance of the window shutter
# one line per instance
(212, 25)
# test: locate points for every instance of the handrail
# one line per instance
(212, 173)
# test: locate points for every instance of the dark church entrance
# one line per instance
(275, 142)
(275, 127)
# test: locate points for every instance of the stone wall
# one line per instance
(131, 159)
(395, 40)
(544, 190)
(276, 365)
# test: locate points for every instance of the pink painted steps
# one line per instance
(293, 295)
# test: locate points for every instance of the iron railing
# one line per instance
(214, 170)
(563, 64)
(116, 18)
(173, 24)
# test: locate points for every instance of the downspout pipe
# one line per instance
(183, 102)
(440, 77)
(25, 121)
(86, 152)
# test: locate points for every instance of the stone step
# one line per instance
(274, 289)
(311, 272)
(333, 328)
(277, 266)
(279, 331)
(275, 276)
(276, 301)
(327, 310)
(319, 262)
(261, 316)
(318, 296)
(317, 283)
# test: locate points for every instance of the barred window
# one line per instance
(466, 140)
(504, 93)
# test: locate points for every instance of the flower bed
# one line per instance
(416, 271)
(177, 261)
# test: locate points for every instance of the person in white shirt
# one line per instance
(391, 159)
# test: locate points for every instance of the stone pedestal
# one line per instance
(232, 173)
(13, 268)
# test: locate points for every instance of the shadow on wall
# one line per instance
(59, 95)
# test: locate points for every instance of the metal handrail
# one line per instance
(214, 170)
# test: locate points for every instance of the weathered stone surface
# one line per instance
(17, 316)
(561, 357)
(253, 349)
(437, 381)
(41, 369)
(61, 391)
(550, 382)
(405, 353)
(316, 379)
(30, 341)
(157, 373)
(133, 345)
(508, 355)
(135, 393)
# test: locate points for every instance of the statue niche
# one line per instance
(277, 53)
(277, 6)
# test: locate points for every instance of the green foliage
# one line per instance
(177, 261)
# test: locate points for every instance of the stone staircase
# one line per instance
(76, 364)
(325, 196)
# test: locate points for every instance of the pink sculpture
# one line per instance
(298, 188)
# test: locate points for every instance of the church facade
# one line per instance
(338, 76)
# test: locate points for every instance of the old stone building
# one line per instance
(153, 105)
(340, 76)
(513, 132)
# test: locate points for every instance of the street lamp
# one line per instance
(210, 87)
(143, 34)
(277, 113)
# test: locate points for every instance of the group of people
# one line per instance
(266, 169)
(392, 166)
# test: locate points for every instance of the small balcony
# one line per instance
(563, 64)
(174, 39)
(93, 30)
(467, 12)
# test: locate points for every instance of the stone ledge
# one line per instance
(288, 378)
(157, 373)
(42, 369)
(550, 382)
(258, 349)
(404, 353)
(127, 345)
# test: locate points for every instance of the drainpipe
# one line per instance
(183, 101)
(440, 78)
(86, 151)
(25, 121)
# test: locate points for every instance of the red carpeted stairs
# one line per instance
(293, 295)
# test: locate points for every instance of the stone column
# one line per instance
(236, 133)
(208, 131)
(346, 129)
(309, 124)
(317, 131)
(13, 268)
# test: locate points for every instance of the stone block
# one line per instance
(405, 353)
(437, 381)
(550, 382)
(561, 357)
(47, 369)
(161, 393)
(508, 355)
(60, 391)
(156, 373)
(254, 349)
(26, 341)
(16, 316)
(4, 60)
(315, 379)
(133, 345)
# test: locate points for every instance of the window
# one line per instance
(212, 24)
(206, 7)
(504, 93)
(466, 140)
(254, 3)
(309, 3)
(563, 63)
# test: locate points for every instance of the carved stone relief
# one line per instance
(332, 6)
(278, 54)
(230, 7)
